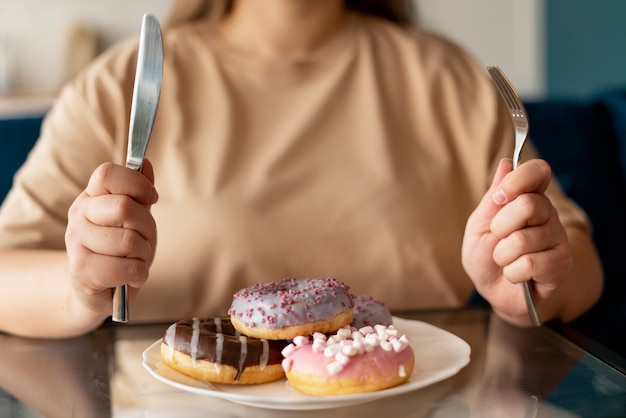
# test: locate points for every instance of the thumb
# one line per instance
(493, 194)
(147, 170)
(489, 206)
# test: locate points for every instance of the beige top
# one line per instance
(360, 162)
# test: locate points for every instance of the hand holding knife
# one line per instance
(145, 101)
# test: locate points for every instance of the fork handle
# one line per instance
(120, 304)
(530, 303)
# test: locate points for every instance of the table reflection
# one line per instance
(56, 378)
(513, 372)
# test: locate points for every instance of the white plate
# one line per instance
(438, 355)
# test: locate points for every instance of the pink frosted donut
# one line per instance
(350, 361)
(369, 311)
(289, 307)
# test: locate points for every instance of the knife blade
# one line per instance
(146, 93)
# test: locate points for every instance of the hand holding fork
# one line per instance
(521, 125)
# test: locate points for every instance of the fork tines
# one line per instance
(509, 93)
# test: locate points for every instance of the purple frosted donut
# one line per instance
(369, 312)
(289, 307)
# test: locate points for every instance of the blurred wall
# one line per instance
(35, 34)
(586, 46)
(506, 33)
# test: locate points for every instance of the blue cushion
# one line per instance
(613, 102)
(579, 141)
(17, 137)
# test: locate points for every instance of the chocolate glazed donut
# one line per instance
(211, 349)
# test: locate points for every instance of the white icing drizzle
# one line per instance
(218, 325)
(220, 339)
(219, 350)
(170, 336)
(242, 354)
(219, 343)
(195, 338)
(265, 356)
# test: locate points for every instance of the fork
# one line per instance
(519, 117)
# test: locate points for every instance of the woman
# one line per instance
(293, 138)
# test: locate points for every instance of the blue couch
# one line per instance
(584, 141)
(17, 137)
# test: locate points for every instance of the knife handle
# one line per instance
(120, 304)
(120, 296)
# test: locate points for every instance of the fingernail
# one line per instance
(499, 198)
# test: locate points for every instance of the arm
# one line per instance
(37, 299)
(110, 240)
(514, 235)
(60, 201)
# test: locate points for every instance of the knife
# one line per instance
(146, 92)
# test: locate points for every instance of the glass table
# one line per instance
(513, 372)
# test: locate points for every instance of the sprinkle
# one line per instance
(318, 346)
(357, 336)
(289, 349)
(399, 345)
(319, 336)
(359, 346)
(386, 345)
(378, 328)
(372, 339)
(392, 332)
(334, 367)
(350, 350)
(331, 350)
(382, 334)
(300, 340)
(366, 330)
(344, 333)
(342, 358)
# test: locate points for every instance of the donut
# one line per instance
(369, 311)
(286, 308)
(212, 350)
(349, 361)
